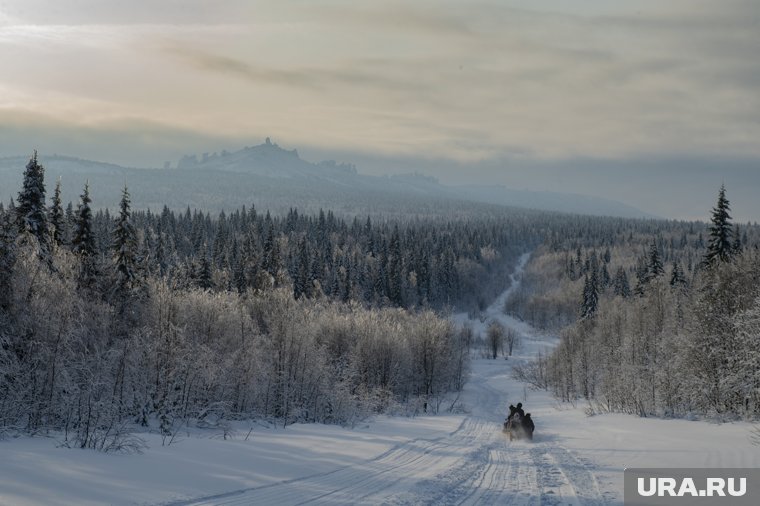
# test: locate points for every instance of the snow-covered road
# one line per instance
(475, 464)
(446, 459)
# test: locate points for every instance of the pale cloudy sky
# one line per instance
(458, 82)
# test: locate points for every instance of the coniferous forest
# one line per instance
(110, 322)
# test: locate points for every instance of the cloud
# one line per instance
(134, 12)
(394, 17)
(315, 78)
(206, 61)
(462, 80)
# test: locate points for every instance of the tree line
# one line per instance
(664, 323)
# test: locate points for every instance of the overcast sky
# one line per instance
(499, 91)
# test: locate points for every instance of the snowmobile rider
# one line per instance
(520, 410)
(512, 411)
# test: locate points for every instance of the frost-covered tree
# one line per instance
(590, 300)
(655, 268)
(204, 275)
(495, 335)
(677, 278)
(124, 246)
(30, 208)
(57, 216)
(720, 247)
(83, 242)
(746, 379)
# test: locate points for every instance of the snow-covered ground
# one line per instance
(450, 459)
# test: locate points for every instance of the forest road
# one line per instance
(474, 465)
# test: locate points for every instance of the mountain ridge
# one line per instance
(267, 172)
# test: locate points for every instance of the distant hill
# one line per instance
(277, 179)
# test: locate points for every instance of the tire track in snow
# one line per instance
(563, 478)
(361, 492)
(509, 483)
(367, 476)
(348, 484)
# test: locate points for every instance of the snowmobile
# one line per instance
(515, 429)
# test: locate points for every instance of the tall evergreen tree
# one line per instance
(30, 209)
(83, 242)
(720, 248)
(204, 276)
(57, 217)
(124, 245)
(655, 268)
(590, 302)
(677, 278)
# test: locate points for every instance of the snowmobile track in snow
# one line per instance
(563, 478)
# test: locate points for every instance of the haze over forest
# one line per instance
(648, 103)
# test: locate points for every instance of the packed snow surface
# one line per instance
(447, 459)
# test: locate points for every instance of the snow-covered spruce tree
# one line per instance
(720, 247)
(57, 217)
(204, 275)
(30, 209)
(655, 268)
(590, 301)
(677, 278)
(124, 247)
(83, 242)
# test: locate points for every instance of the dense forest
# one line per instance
(657, 319)
(111, 322)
